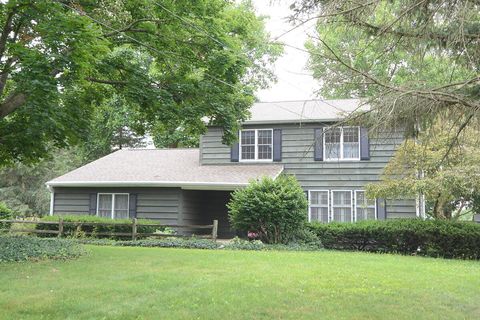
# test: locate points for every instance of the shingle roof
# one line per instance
(163, 168)
(304, 110)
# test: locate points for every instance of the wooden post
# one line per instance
(215, 230)
(60, 227)
(134, 229)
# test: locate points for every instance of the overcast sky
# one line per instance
(294, 81)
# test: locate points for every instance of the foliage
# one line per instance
(5, 214)
(22, 187)
(78, 231)
(430, 165)
(170, 64)
(414, 60)
(23, 248)
(434, 238)
(120, 282)
(273, 208)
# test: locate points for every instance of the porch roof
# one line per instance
(163, 168)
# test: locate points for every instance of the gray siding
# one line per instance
(162, 204)
(298, 159)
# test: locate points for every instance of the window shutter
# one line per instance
(132, 210)
(234, 152)
(381, 209)
(277, 144)
(318, 143)
(364, 144)
(93, 204)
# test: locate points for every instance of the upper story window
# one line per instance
(256, 145)
(342, 143)
(113, 205)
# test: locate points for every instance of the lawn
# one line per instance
(153, 283)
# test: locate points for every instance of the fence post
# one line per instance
(134, 229)
(215, 230)
(60, 227)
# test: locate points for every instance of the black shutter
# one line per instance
(277, 144)
(381, 209)
(234, 152)
(364, 144)
(318, 144)
(132, 210)
(93, 204)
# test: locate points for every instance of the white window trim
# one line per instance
(316, 206)
(255, 146)
(355, 203)
(112, 214)
(341, 145)
(352, 204)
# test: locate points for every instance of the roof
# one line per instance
(304, 111)
(162, 168)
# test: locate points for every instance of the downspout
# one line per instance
(52, 199)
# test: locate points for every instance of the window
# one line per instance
(342, 206)
(341, 143)
(365, 209)
(256, 144)
(113, 205)
(318, 206)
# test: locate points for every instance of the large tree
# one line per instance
(172, 63)
(414, 60)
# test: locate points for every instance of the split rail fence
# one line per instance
(134, 234)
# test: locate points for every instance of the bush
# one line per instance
(78, 231)
(22, 248)
(5, 214)
(434, 238)
(275, 209)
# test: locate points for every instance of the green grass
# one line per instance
(153, 283)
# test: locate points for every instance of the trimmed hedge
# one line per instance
(74, 231)
(23, 248)
(434, 238)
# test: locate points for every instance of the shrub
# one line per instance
(22, 248)
(78, 231)
(5, 214)
(434, 238)
(275, 209)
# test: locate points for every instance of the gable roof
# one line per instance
(304, 111)
(162, 168)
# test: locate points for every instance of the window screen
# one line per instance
(342, 206)
(105, 205)
(318, 206)
(364, 208)
(113, 205)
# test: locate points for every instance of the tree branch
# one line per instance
(12, 103)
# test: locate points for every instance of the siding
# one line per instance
(298, 159)
(161, 204)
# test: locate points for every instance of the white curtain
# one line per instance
(121, 206)
(105, 205)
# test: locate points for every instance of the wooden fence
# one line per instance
(134, 234)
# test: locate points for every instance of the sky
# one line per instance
(294, 82)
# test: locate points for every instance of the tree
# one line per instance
(22, 187)
(171, 63)
(415, 60)
(275, 209)
(450, 183)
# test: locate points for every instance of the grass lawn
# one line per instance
(153, 283)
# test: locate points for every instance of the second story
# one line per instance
(303, 133)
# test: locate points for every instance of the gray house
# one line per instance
(192, 186)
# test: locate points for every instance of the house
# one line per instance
(332, 163)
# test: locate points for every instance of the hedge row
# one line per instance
(78, 231)
(434, 238)
(23, 248)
